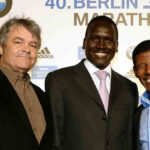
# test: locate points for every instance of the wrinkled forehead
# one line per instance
(18, 29)
(21, 31)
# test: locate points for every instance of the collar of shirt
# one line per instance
(145, 99)
(92, 69)
(14, 77)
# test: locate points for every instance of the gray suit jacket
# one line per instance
(80, 122)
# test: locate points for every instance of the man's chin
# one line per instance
(24, 68)
(101, 65)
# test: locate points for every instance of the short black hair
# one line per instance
(140, 48)
(101, 18)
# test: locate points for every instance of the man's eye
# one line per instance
(95, 39)
(109, 40)
(141, 66)
(34, 45)
(17, 42)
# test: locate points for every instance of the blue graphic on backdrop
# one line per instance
(5, 7)
(95, 4)
(40, 72)
(81, 53)
(2, 5)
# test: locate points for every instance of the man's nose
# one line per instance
(100, 43)
(148, 69)
(27, 48)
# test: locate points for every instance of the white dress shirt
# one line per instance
(92, 69)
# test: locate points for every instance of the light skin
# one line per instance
(142, 68)
(101, 44)
(20, 51)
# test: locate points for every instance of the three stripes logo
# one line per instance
(45, 53)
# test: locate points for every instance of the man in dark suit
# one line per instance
(141, 61)
(82, 120)
(23, 107)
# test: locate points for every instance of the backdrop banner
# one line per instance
(63, 24)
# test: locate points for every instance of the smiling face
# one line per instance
(101, 43)
(20, 52)
(142, 68)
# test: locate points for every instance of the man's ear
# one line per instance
(83, 46)
(135, 71)
(117, 44)
(1, 50)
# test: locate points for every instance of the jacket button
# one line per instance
(107, 142)
(104, 118)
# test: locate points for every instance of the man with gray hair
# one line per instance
(23, 108)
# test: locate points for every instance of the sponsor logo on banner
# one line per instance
(130, 74)
(5, 6)
(129, 52)
(81, 53)
(40, 72)
(45, 53)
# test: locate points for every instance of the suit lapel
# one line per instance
(115, 89)
(83, 78)
(85, 81)
(11, 96)
(137, 125)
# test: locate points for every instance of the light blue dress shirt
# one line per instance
(145, 122)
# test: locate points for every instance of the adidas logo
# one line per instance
(44, 53)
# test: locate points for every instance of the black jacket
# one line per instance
(15, 130)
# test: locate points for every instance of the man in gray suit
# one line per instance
(82, 119)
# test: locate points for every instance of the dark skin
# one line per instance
(101, 43)
(142, 68)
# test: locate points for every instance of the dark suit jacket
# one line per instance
(137, 126)
(15, 130)
(80, 122)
